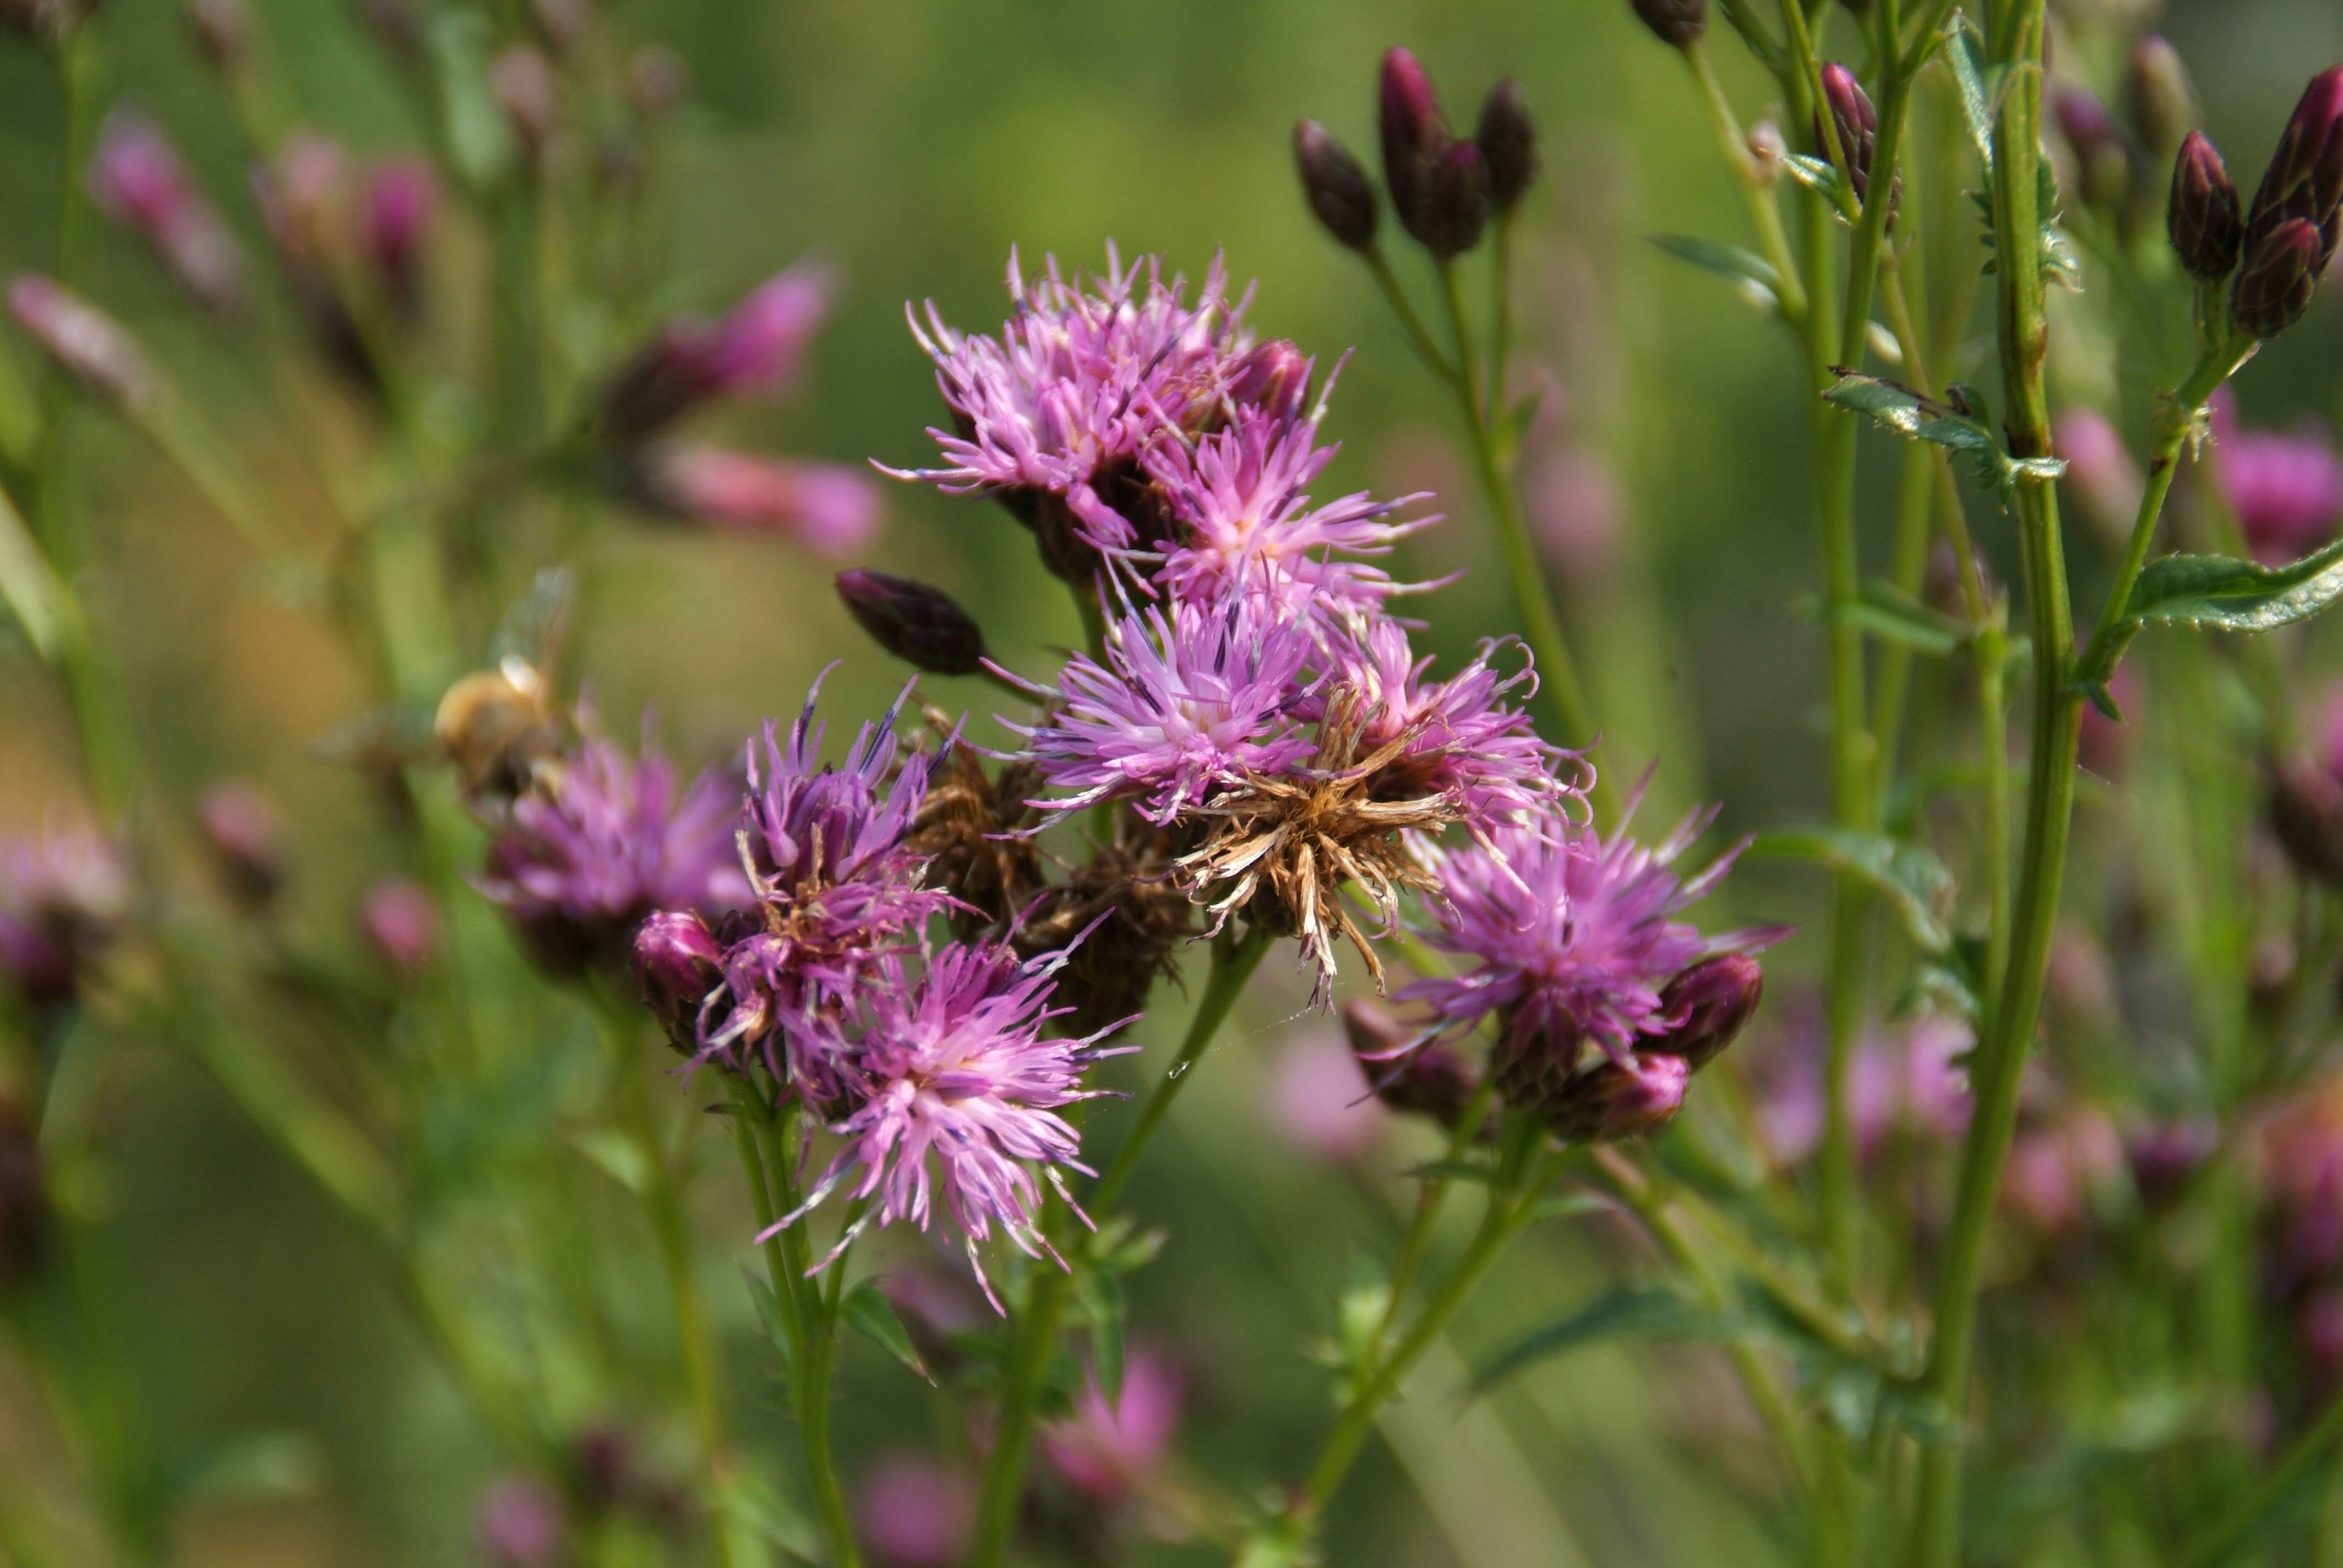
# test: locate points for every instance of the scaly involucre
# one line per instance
(1572, 935)
(1190, 698)
(1082, 380)
(835, 888)
(955, 1086)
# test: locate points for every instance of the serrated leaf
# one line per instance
(1817, 175)
(869, 1313)
(1892, 616)
(1965, 54)
(1644, 1314)
(1912, 880)
(1753, 275)
(622, 1156)
(2233, 594)
(1915, 414)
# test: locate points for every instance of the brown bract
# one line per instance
(1130, 918)
(971, 829)
(1279, 848)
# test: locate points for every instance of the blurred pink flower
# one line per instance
(401, 923)
(828, 508)
(2100, 472)
(1320, 1100)
(2287, 489)
(1575, 505)
(84, 340)
(1905, 1082)
(520, 1524)
(915, 1512)
(397, 205)
(1110, 1453)
(137, 178)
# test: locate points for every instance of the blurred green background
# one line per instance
(911, 144)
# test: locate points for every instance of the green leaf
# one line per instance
(1644, 1314)
(1914, 881)
(1888, 613)
(31, 586)
(1965, 54)
(260, 1467)
(744, 1501)
(768, 1313)
(1754, 276)
(1817, 175)
(622, 1156)
(869, 1313)
(478, 132)
(1916, 415)
(1101, 1294)
(2218, 592)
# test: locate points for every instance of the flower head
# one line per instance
(827, 508)
(913, 1512)
(954, 1086)
(62, 898)
(135, 178)
(2287, 489)
(1055, 414)
(755, 350)
(604, 840)
(1109, 1449)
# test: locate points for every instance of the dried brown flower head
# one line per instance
(971, 829)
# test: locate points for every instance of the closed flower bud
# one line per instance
(2304, 182)
(923, 626)
(84, 340)
(1766, 151)
(240, 829)
(2159, 96)
(1610, 1101)
(1456, 209)
(1676, 22)
(223, 30)
(1273, 377)
(2202, 217)
(1433, 1079)
(679, 962)
(23, 1199)
(401, 924)
(2101, 157)
(135, 178)
(63, 898)
(1340, 194)
(1716, 999)
(827, 508)
(396, 208)
(1508, 142)
(520, 1524)
(2279, 275)
(1855, 120)
(528, 89)
(1414, 134)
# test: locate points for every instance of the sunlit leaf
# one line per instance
(869, 1313)
(1923, 418)
(1912, 880)
(1753, 275)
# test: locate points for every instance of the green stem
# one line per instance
(1428, 1205)
(1755, 192)
(1035, 1339)
(1418, 338)
(2221, 1543)
(1558, 681)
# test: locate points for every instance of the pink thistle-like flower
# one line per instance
(62, 898)
(137, 178)
(1319, 1100)
(2287, 489)
(1190, 698)
(756, 350)
(401, 923)
(397, 205)
(834, 884)
(1240, 495)
(1109, 1452)
(1055, 414)
(607, 842)
(826, 507)
(915, 1512)
(955, 1089)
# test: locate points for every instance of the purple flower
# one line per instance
(2287, 489)
(1108, 1451)
(828, 508)
(62, 898)
(835, 885)
(397, 205)
(1188, 700)
(84, 340)
(915, 1512)
(1319, 1100)
(1575, 944)
(400, 923)
(1055, 414)
(520, 1524)
(136, 178)
(954, 1089)
(1244, 516)
(603, 843)
(755, 350)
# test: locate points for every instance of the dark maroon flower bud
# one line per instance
(401, 924)
(241, 830)
(528, 89)
(1414, 134)
(1715, 999)
(1335, 183)
(2161, 99)
(602, 1469)
(86, 341)
(923, 626)
(24, 1198)
(1508, 142)
(1855, 120)
(2165, 1156)
(2279, 275)
(2102, 157)
(1456, 208)
(1609, 1101)
(2305, 812)
(679, 961)
(1676, 22)
(656, 80)
(397, 205)
(1432, 1080)
(1273, 378)
(223, 30)
(63, 898)
(2304, 181)
(2203, 217)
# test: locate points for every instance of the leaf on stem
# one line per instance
(1891, 615)
(1646, 1312)
(744, 1499)
(1915, 414)
(1912, 880)
(869, 1313)
(30, 585)
(620, 1154)
(1817, 175)
(1101, 1294)
(1753, 276)
(1965, 55)
(768, 1313)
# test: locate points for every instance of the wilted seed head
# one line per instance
(2304, 181)
(1855, 120)
(1336, 185)
(1716, 999)
(2159, 96)
(1508, 142)
(23, 1199)
(86, 341)
(679, 962)
(1273, 377)
(2279, 276)
(1457, 206)
(1414, 134)
(2206, 229)
(922, 625)
(1676, 22)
